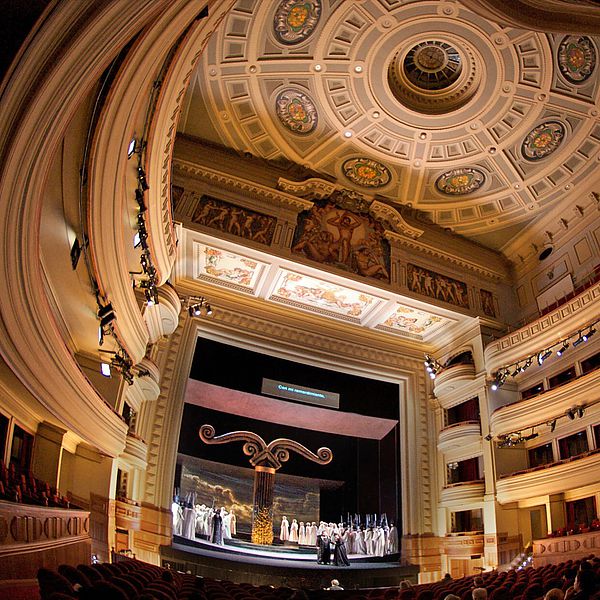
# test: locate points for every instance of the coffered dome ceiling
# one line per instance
(480, 127)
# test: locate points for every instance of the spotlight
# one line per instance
(106, 314)
(131, 149)
(209, 310)
(552, 425)
(498, 381)
(75, 253)
(142, 179)
(579, 340)
(589, 334)
(562, 349)
(517, 370)
(571, 414)
(105, 369)
(527, 364)
(543, 356)
(580, 411)
(136, 240)
(488, 437)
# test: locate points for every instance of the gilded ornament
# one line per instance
(366, 172)
(576, 58)
(459, 182)
(296, 111)
(543, 140)
(295, 20)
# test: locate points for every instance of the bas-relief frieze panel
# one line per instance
(235, 220)
(346, 239)
(431, 284)
(323, 296)
(227, 268)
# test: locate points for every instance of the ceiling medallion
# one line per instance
(543, 140)
(459, 182)
(432, 65)
(366, 172)
(576, 58)
(296, 111)
(295, 20)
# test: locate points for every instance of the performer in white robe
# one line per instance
(226, 524)
(232, 523)
(284, 533)
(302, 534)
(351, 541)
(294, 531)
(361, 546)
(393, 540)
(177, 518)
(312, 534)
(378, 542)
(369, 541)
(189, 522)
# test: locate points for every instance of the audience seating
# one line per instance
(130, 579)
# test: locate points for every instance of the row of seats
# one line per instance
(130, 579)
(22, 486)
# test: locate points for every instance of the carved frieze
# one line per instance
(431, 284)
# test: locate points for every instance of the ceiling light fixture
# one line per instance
(562, 349)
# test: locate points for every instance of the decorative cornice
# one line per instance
(314, 187)
(262, 192)
(392, 216)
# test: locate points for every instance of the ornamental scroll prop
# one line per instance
(266, 460)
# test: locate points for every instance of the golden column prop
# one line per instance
(266, 460)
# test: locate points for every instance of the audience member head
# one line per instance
(585, 581)
(451, 597)
(479, 593)
(447, 576)
(335, 582)
(478, 581)
(554, 594)
(405, 585)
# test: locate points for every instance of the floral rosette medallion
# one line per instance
(459, 182)
(366, 172)
(543, 140)
(295, 20)
(576, 58)
(296, 111)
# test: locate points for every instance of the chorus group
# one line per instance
(372, 540)
(198, 521)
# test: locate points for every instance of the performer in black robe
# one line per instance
(217, 529)
(324, 549)
(340, 557)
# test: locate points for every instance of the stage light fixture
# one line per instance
(580, 411)
(579, 340)
(498, 381)
(542, 356)
(589, 334)
(142, 179)
(528, 363)
(139, 197)
(131, 149)
(516, 371)
(562, 349)
(488, 437)
(105, 369)
(571, 414)
(552, 425)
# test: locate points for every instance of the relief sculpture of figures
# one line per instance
(235, 220)
(343, 238)
(434, 285)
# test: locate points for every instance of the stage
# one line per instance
(278, 565)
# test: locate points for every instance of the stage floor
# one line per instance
(279, 556)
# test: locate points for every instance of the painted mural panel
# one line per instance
(227, 267)
(322, 296)
(431, 284)
(235, 220)
(413, 322)
(346, 239)
(222, 485)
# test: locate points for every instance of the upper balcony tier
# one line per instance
(452, 380)
(459, 434)
(545, 480)
(542, 332)
(459, 494)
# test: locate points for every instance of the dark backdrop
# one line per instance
(369, 468)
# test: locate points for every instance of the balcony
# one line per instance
(459, 434)
(464, 544)
(452, 380)
(128, 514)
(457, 494)
(549, 479)
(570, 547)
(136, 451)
(547, 405)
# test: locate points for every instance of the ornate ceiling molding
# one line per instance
(395, 219)
(255, 190)
(314, 187)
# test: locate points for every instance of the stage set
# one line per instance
(274, 490)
